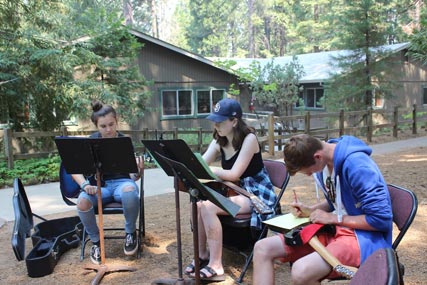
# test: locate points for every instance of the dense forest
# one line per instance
(56, 56)
(271, 28)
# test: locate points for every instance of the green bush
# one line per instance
(30, 171)
(36, 171)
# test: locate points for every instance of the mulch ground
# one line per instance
(160, 253)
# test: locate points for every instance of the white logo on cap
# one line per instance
(217, 107)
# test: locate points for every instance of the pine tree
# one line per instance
(214, 27)
(418, 47)
(42, 45)
(363, 28)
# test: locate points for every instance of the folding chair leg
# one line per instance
(250, 257)
(245, 268)
(84, 241)
(141, 220)
(139, 251)
(142, 214)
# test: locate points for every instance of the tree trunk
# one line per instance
(128, 12)
(316, 20)
(154, 23)
(251, 41)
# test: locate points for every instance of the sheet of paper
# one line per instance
(286, 222)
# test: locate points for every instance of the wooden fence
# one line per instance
(34, 144)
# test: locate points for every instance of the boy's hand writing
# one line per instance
(300, 210)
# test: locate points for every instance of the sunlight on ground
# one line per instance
(161, 247)
(413, 158)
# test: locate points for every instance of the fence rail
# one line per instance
(36, 144)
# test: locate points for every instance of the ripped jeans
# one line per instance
(112, 192)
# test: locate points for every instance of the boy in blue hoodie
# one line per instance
(357, 203)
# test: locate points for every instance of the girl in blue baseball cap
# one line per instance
(241, 160)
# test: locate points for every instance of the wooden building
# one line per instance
(409, 76)
(185, 87)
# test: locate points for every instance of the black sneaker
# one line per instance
(131, 244)
(95, 254)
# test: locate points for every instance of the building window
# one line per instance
(177, 102)
(425, 96)
(311, 98)
(181, 103)
(377, 100)
(206, 99)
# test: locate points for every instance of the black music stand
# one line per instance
(98, 156)
(167, 153)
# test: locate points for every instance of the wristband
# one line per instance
(84, 184)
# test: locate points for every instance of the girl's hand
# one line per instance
(91, 190)
(140, 165)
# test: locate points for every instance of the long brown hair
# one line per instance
(239, 133)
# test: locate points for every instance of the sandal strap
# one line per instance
(192, 266)
(209, 270)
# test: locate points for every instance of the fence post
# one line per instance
(8, 147)
(395, 121)
(175, 133)
(200, 139)
(341, 122)
(279, 143)
(307, 123)
(261, 133)
(64, 131)
(370, 128)
(414, 120)
(270, 134)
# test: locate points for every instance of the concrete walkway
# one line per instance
(46, 198)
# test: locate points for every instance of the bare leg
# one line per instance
(265, 251)
(309, 270)
(213, 232)
(203, 246)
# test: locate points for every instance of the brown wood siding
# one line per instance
(410, 77)
(170, 69)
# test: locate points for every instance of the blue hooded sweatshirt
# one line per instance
(363, 192)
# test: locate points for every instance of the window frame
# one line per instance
(212, 100)
(177, 106)
(378, 100)
(424, 96)
(194, 102)
(304, 96)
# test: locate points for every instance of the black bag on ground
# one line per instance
(50, 239)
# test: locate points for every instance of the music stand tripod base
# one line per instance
(174, 281)
(103, 269)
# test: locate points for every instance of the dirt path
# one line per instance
(159, 260)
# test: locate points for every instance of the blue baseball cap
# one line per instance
(225, 109)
